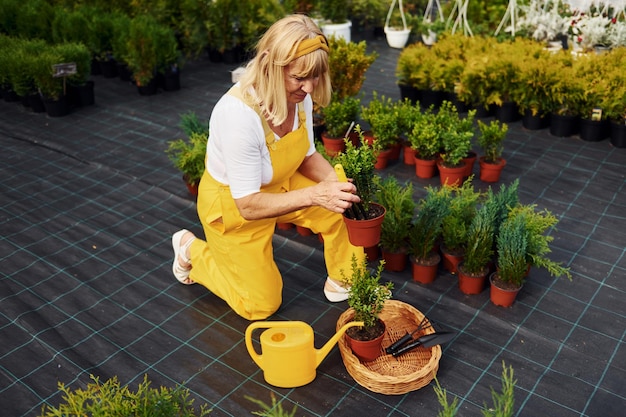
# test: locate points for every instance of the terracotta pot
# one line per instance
(333, 146)
(425, 273)
(382, 159)
(395, 261)
(491, 172)
(451, 175)
(303, 231)
(365, 233)
(191, 187)
(366, 350)
(425, 168)
(372, 253)
(450, 260)
(469, 284)
(469, 161)
(368, 137)
(409, 155)
(500, 296)
(284, 226)
(395, 151)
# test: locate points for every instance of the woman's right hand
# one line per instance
(335, 196)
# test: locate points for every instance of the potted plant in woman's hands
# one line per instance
(367, 298)
(394, 234)
(339, 116)
(490, 140)
(367, 216)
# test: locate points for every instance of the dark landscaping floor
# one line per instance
(88, 203)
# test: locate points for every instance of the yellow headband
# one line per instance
(309, 45)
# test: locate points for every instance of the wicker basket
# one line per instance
(388, 375)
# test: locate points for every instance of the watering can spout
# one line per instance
(321, 353)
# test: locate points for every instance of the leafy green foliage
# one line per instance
(490, 139)
(448, 409)
(110, 399)
(398, 201)
(382, 114)
(537, 226)
(456, 133)
(339, 114)
(347, 63)
(367, 296)
(358, 163)
(188, 155)
(456, 224)
(424, 137)
(426, 229)
(512, 244)
(273, 410)
(480, 240)
(504, 400)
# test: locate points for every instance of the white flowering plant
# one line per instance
(591, 29)
(544, 20)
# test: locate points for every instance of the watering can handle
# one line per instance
(258, 359)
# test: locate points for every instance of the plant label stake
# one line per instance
(64, 70)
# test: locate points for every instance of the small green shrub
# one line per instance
(111, 399)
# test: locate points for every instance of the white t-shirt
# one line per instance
(237, 154)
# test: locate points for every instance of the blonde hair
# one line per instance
(277, 49)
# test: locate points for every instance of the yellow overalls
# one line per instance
(236, 261)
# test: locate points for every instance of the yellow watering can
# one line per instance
(289, 357)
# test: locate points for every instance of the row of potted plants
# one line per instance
(469, 233)
(479, 235)
(520, 74)
(432, 140)
(29, 73)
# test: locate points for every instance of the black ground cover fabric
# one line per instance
(88, 203)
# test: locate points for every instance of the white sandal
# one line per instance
(338, 294)
(181, 274)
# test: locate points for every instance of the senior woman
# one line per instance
(262, 168)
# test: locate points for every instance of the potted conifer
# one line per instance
(425, 232)
(398, 201)
(455, 226)
(474, 268)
